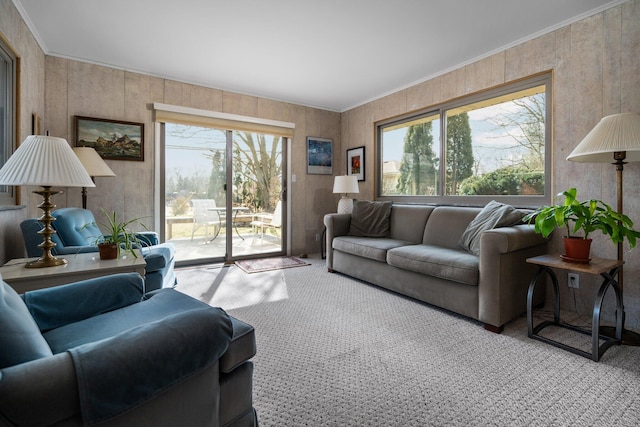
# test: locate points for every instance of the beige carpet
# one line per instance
(333, 351)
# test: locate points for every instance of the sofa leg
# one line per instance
(330, 270)
(494, 329)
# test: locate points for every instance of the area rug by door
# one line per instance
(268, 264)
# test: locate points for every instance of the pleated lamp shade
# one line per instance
(45, 161)
(616, 133)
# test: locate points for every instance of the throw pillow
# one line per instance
(493, 215)
(370, 219)
(20, 338)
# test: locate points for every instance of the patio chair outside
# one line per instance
(204, 216)
(269, 221)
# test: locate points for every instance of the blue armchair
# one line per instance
(77, 232)
(102, 351)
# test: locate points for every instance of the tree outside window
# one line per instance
(492, 146)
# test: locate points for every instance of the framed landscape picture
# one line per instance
(112, 139)
(319, 156)
(355, 162)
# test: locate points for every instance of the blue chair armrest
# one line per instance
(48, 384)
(148, 238)
(159, 256)
(65, 304)
(144, 363)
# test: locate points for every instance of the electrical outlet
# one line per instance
(573, 280)
(317, 237)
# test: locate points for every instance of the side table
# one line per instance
(79, 267)
(608, 269)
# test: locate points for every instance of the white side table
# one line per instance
(78, 267)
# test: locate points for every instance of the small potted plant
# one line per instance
(118, 237)
(585, 217)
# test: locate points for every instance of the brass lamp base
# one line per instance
(628, 337)
(47, 259)
(42, 262)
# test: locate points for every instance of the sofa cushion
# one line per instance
(20, 338)
(367, 247)
(446, 224)
(455, 265)
(408, 221)
(370, 219)
(493, 215)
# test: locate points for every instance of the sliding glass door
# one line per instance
(223, 193)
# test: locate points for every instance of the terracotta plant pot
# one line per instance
(577, 249)
(108, 250)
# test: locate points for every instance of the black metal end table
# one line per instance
(608, 269)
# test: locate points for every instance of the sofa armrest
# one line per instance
(40, 392)
(61, 305)
(510, 239)
(336, 225)
(504, 272)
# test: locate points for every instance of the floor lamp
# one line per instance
(615, 139)
(45, 161)
(94, 166)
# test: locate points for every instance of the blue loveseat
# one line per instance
(102, 352)
(77, 231)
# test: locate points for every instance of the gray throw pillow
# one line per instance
(20, 338)
(370, 219)
(493, 215)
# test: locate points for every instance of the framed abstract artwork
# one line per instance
(355, 162)
(319, 156)
(112, 139)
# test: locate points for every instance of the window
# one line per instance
(7, 114)
(492, 145)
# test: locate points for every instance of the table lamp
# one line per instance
(615, 139)
(345, 184)
(94, 166)
(45, 161)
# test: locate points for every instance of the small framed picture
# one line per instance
(319, 156)
(112, 139)
(355, 162)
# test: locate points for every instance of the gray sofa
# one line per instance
(420, 256)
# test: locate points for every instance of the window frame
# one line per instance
(545, 78)
(8, 136)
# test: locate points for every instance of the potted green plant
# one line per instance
(582, 217)
(118, 236)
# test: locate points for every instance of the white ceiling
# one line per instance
(331, 54)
